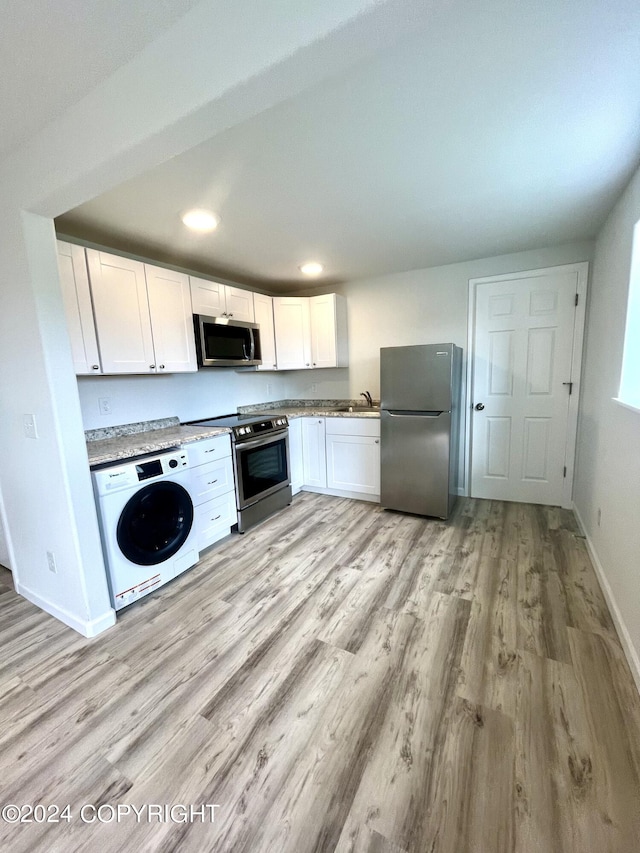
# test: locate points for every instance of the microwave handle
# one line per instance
(253, 346)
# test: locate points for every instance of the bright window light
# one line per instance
(630, 379)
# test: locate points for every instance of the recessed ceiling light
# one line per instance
(200, 220)
(311, 268)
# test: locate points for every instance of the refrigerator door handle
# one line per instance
(404, 414)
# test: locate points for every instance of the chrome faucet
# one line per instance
(367, 397)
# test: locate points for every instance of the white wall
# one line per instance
(608, 463)
(207, 393)
(417, 307)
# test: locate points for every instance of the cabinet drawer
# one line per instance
(209, 449)
(211, 479)
(353, 426)
(214, 519)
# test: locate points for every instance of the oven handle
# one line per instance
(262, 441)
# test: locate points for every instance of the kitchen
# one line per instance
(427, 304)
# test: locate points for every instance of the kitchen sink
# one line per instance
(352, 409)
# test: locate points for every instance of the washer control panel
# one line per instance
(114, 477)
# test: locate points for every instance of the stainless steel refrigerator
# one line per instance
(420, 390)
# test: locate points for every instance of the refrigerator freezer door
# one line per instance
(415, 462)
(416, 378)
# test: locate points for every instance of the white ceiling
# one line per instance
(52, 52)
(502, 127)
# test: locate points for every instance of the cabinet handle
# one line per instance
(275, 366)
(224, 313)
(230, 314)
(213, 450)
(216, 518)
(314, 364)
(307, 364)
(377, 441)
(152, 366)
(95, 367)
(211, 482)
(161, 366)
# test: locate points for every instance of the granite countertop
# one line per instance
(313, 409)
(129, 445)
(110, 444)
(321, 412)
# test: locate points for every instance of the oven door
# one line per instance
(262, 467)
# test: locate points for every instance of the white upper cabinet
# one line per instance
(122, 316)
(240, 304)
(310, 331)
(263, 306)
(214, 299)
(130, 314)
(328, 321)
(171, 320)
(293, 332)
(76, 296)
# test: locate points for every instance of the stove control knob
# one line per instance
(173, 463)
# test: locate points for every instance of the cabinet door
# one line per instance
(293, 333)
(322, 311)
(263, 306)
(74, 282)
(353, 463)
(240, 304)
(207, 297)
(296, 464)
(171, 320)
(314, 458)
(122, 317)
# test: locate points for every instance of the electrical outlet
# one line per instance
(269, 388)
(314, 387)
(51, 560)
(104, 404)
(599, 516)
(29, 426)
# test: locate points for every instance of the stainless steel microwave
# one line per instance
(221, 342)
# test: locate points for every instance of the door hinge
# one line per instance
(577, 299)
(565, 471)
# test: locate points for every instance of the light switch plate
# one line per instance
(29, 426)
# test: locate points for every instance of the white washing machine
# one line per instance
(146, 515)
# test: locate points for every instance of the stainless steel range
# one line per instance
(260, 449)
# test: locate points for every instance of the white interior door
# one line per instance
(526, 352)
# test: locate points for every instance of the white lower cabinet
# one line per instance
(341, 456)
(296, 464)
(212, 489)
(314, 458)
(353, 463)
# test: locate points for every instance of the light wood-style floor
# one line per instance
(340, 678)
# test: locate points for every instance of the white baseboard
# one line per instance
(623, 634)
(340, 493)
(86, 628)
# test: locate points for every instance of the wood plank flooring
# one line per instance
(339, 679)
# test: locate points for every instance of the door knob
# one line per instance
(479, 407)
